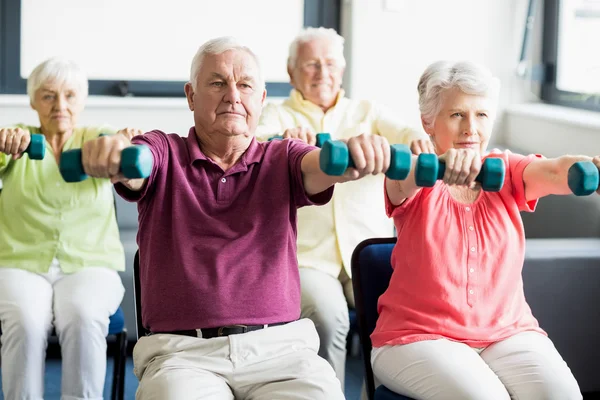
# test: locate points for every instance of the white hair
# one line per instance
(310, 34)
(219, 46)
(59, 71)
(469, 77)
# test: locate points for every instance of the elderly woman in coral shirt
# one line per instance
(454, 323)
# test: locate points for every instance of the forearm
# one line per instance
(316, 181)
(398, 191)
(549, 177)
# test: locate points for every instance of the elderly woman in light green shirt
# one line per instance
(59, 246)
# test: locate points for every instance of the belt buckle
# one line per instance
(220, 330)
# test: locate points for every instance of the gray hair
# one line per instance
(57, 70)
(218, 46)
(310, 34)
(440, 76)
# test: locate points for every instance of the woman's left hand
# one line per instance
(596, 161)
(129, 133)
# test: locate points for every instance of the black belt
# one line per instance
(221, 331)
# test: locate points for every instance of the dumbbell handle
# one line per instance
(491, 175)
(442, 170)
(335, 159)
(136, 162)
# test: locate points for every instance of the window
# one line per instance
(145, 47)
(570, 52)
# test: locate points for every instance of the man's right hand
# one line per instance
(304, 134)
(101, 157)
(422, 146)
(14, 141)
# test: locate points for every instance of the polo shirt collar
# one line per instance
(253, 153)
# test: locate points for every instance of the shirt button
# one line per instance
(58, 184)
(471, 228)
(471, 291)
(223, 180)
(467, 208)
(473, 249)
(471, 270)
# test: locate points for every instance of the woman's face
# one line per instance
(463, 121)
(58, 106)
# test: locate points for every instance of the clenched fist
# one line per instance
(462, 166)
(370, 153)
(14, 141)
(101, 158)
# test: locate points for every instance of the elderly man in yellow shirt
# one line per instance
(327, 235)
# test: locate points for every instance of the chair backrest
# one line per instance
(141, 331)
(371, 273)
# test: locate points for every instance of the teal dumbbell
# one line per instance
(136, 162)
(321, 138)
(583, 178)
(429, 169)
(335, 159)
(37, 147)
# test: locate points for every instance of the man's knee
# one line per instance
(165, 385)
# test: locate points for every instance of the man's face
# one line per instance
(228, 95)
(317, 73)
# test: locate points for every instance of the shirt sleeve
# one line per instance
(159, 147)
(269, 124)
(396, 131)
(516, 165)
(296, 152)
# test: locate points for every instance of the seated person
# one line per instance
(328, 235)
(454, 322)
(217, 238)
(59, 246)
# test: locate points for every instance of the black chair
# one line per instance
(141, 331)
(371, 273)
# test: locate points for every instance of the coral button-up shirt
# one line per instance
(457, 267)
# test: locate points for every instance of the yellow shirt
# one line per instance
(327, 235)
(42, 217)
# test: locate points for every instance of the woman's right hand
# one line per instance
(419, 146)
(462, 166)
(14, 141)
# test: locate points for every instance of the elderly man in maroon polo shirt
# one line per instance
(217, 239)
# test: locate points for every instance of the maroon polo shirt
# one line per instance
(219, 248)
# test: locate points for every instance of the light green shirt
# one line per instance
(42, 217)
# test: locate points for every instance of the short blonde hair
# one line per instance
(218, 46)
(469, 77)
(60, 71)
(310, 34)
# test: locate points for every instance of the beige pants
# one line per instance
(325, 301)
(526, 366)
(274, 363)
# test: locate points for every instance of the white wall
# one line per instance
(387, 51)
(393, 41)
